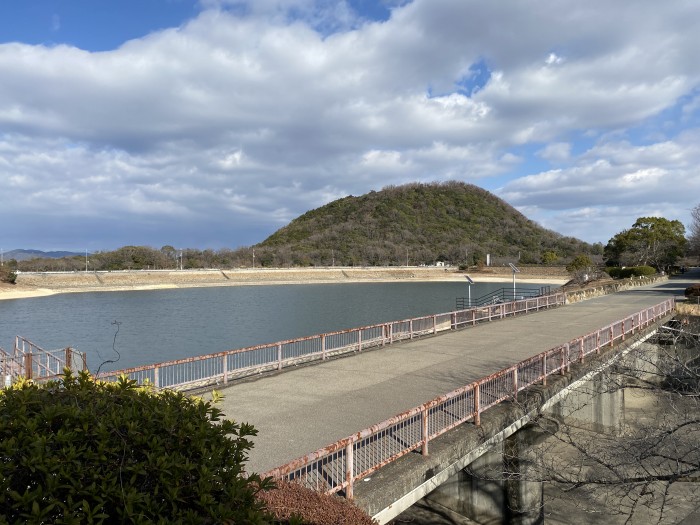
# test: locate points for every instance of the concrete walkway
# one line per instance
(301, 410)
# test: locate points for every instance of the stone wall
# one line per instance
(574, 296)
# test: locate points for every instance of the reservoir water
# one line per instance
(161, 325)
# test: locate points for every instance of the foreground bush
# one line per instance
(80, 451)
(292, 503)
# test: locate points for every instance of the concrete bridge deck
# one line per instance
(301, 410)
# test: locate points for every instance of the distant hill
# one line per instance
(419, 224)
(26, 255)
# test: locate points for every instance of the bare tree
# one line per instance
(643, 468)
(694, 238)
(622, 448)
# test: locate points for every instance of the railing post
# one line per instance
(410, 328)
(623, 329)
(224, 367)
(434, 324)
(544, 369)
(612, 336)
(581, 354)
(391, 333)
(323, 346)
(568, 357)
(515, 384)
(359, 340)
(156, 377)
(453, 320)
(597, 342)
(477, 404)
(279, 357)
(349, 468)
(424, 430)
(564, 360)
(28, 366)
(69, 355)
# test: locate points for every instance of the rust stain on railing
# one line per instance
(30, 361)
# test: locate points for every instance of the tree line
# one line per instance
(651, 241)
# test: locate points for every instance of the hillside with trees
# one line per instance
(417, 224)
(412, 225)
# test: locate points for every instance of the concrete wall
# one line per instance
(574, 296)
(126, 279)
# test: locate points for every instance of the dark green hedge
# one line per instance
(80, 451)
(631, 271)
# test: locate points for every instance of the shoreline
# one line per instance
(32, 285)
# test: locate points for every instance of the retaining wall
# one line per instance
(174, 278)
(574, 296)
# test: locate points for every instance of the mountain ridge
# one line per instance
(21, 254)
(419, 224)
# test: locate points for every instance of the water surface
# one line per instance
(160, 325)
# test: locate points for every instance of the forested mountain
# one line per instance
(421, 224)
(413, 224)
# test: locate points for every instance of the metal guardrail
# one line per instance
(222, 367)
(502, 295)
(337, 466)
(33, 362)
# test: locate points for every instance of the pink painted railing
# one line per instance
(221, 367)
(337, 466)
(33, 362)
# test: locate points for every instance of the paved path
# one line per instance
(299, 411)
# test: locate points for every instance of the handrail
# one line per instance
(502, 295)
(221, 367)
(30, 361)
(337, 466)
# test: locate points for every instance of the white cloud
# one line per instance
(257, 111)
(611, 185)
(556, 152)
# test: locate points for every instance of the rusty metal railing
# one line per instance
(222, 367)
(33, 362)
(337, 466)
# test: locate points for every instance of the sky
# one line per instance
(213, 123)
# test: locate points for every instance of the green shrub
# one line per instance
(613, 271)
(81, 451)
(579, 263)
(631, 271)
(644, 271)
(7, 275)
